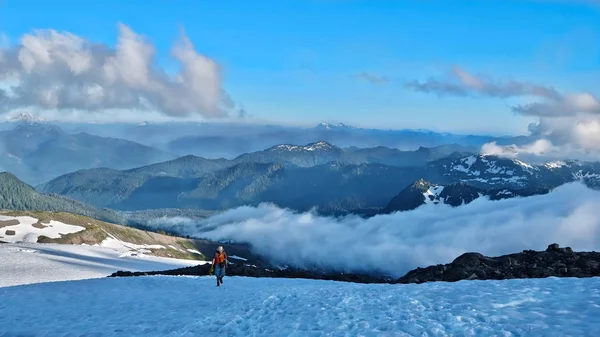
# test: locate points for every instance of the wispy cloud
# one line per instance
(463, 83)
(61, 71)
(372, 78)
(567, 105)
(569, 123)
(396, 243)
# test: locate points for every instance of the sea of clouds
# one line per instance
(397, 243)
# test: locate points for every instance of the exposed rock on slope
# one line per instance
(237, 269)
(555, 261)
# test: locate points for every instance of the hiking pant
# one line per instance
(219, 271)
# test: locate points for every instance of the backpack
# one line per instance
(220, 258)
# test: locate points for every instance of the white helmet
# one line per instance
(220, 249)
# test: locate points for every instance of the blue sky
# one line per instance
(294, 61)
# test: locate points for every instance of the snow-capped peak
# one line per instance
(321, 145)
(328, 126)
(318, 146)
(324, 125)
(26, 117)
(345, 126)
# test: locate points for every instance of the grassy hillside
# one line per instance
(98, 231)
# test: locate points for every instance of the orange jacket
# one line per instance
(219, 258)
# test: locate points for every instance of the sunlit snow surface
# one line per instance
(24, 231)
(194, 306)
(32, 263)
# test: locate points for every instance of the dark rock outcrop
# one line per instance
(254, 271)
(409, 198)
(555, 261)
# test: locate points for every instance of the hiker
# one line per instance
(219, 264)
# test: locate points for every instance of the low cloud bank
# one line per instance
(396, 243)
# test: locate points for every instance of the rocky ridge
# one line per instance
(553, 262)
(236, 269)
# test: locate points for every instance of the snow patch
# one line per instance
(175, 248)
(432, 195)
(481, 180)
(523, 164)
(237, 257)
(506, 192)
(555, 164)
(579, 175)
(194, 251)
(26, 232)
(468, 162)
(127, 248)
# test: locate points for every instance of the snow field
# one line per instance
(194, 306)
(33, 263)
(25, 232)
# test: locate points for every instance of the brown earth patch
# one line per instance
(6, 223)
(39, 225)
(10, 232)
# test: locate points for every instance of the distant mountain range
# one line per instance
(334, 180)
(269, 175)
(322, 152)
(231, 144)
(128, 176)
(331, 186)
(229, 140)
(37, 152)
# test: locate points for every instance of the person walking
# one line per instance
(219, 264)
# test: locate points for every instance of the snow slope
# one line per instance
(432, 195)
(128, 248)
(25, 231)
(33, 263)
(193, 306)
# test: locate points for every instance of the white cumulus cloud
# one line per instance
(60, 71)
(568, 123)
